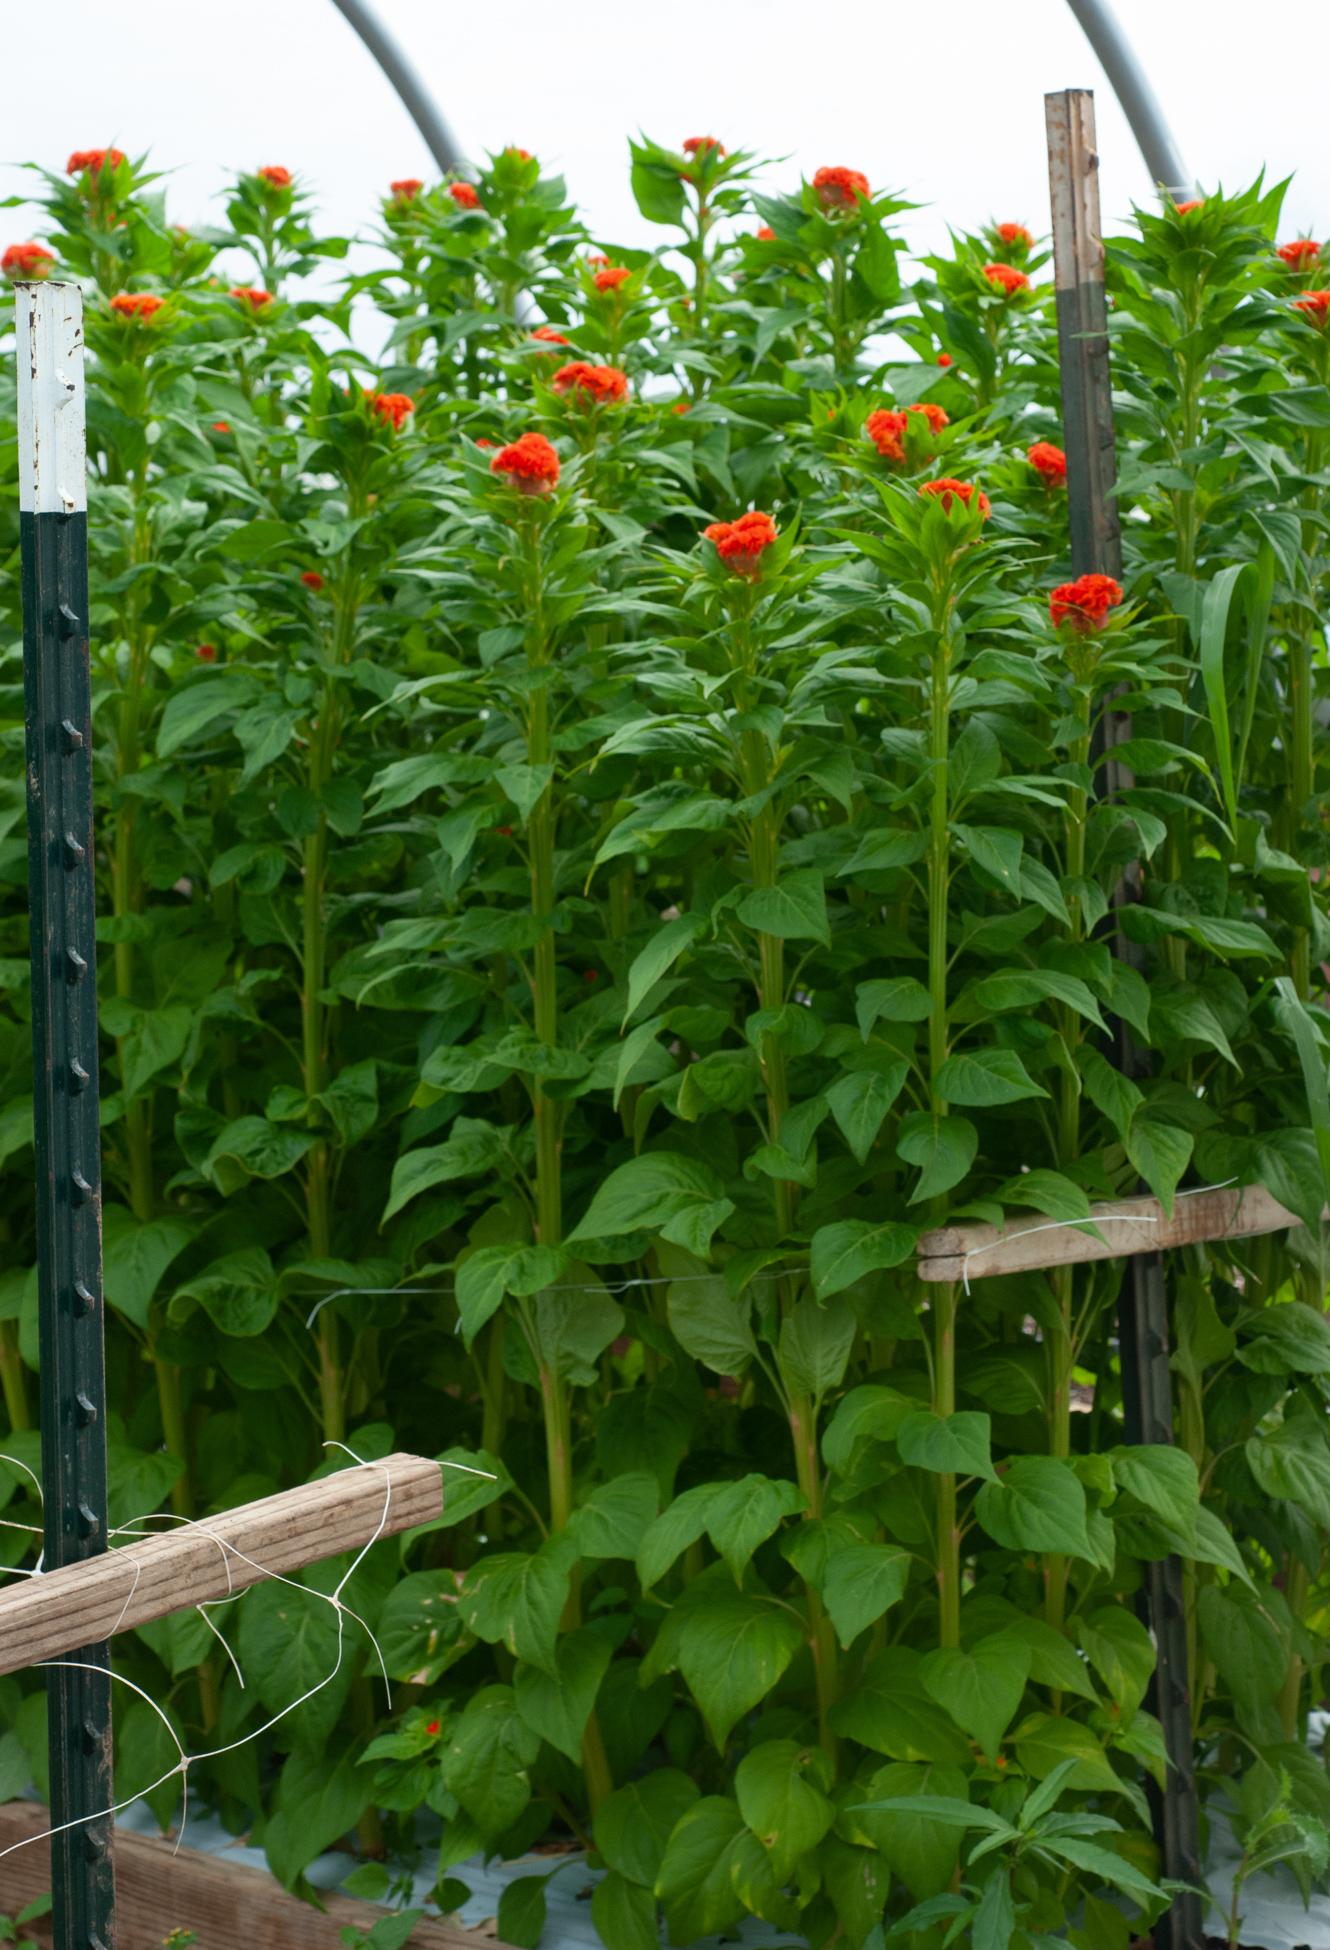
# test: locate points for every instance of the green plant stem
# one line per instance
(12, 1378)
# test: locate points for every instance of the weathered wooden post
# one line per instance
(1096, 546)
(54, 530)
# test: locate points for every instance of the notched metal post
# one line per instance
(66, 1120)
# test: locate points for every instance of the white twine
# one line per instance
(1079, 1225)
(581, 1286)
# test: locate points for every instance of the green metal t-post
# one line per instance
(53, 516)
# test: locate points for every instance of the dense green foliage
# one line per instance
(552, 970)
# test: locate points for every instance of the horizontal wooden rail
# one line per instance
(227, 1905)
(1030, 1243)
(83, 1604)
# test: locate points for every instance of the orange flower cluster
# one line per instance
(206, 653)
(392, 408)
(136, 304)
(740, 543)
(251, 295)
(944, 358)
(765, 234)
(1016, 233)
(597, 385)
(886, 428)
(840, 189)
(1314, 306)
(93, 160)
(948, 491)
(464, 196)
(406, 189)
(27, 261)
(694, 144)
(548, 336)
(1050, 461)
(1300, 253)
(312, 579)
(1084, 603)
(1195, 203)
(1006, 278)
(530, 464)
(276, 175)
(611, 277)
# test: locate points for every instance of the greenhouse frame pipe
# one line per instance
(415, 97)
(1139, 102)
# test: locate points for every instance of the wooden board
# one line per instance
(1030, 1243)
(83, 1604)
(228, 1906)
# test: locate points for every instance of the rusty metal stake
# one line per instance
(66, 1124)
(1096, 547)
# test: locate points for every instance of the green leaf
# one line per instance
(634, 1823)
(794, 910)
(1293, 1462)
(660, 954)
(861, 1584)
(490, 1272)
(732, 1652)
(521, 1914)
(558, 1705)
(860, 1101)
(814, 1348)
(654, 1192)
(696, 1880)
(316, 1805)
(1026, 988)
(1038, 1505)
(612, 1520)
(944, 1148)
(995, 1918)
(1312, 1063)
(1121, 1652)
(980, 1078)
(742, 1515)
(486, 1759)
(1102, 1862)
(711, 1325)
(901, 998)
(516, 1600)
(1108, 1090)
(996, 850)
(137, 1255)
(196, 707)
(251, 1147)
(238, 1293)
(419, 1629)
(950, 1445)
(678, 1526)
(1283, 1337)
(982, 1689)
(890, 1712)
(472, 1148)
(524, 786)
(1164, 1480)
(850, 1249)
(901, 1824)
(780, 1787)
(623, 1914)
(1045, 1740)
(288, 1646)
(1246, 1641)
(1160, 1152)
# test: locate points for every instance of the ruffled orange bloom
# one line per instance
(600, 385)
(1048, 460)
(740, 543)
(312, 579)
(944, 358)
(27, 261)
(934, 415)
(464, 196)
(206, 653)
(765, 234)
(1006, 278)
(276, 176)
(1301, 252)
(392, 408)
(252, 295)
(530, 464)
(548, 336)
(1016, 233)
(406, 189)
(1084, 603)
(840, 189)
(611, 277)
(1195, 203)
(694, 144)
(948, 491)
(93, 160)
(136, 304)
(886, 427)
(1314, 306)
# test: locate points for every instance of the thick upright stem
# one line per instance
(12, 1378)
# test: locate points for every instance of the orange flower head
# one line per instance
(944, 358)
(433, 1727)
(221, 426)
(681, 406)
(392, 408)
(1006, 279)
(464, 196)
(27, 261)
(1314, 306)
(594, 385)
(840, 189)
(1195, 203)
(1084, 603)
(611, 277)
(406, 189)
(548, 336)
(252, 295)
(739, 544)
(530, 464)
(695, 145)
(206, 653)
(1016, 233)
(765, 234)
(1302, 252)
(886, 429)
(312, 579)
(1049, 461)
(276, 176)
(136, 304)
(93, 161)
(948, 491)
(934, 415)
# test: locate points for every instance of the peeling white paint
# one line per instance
(52, 439)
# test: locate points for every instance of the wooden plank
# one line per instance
(84, 1603)
(1030, 1243)
(227, 1905)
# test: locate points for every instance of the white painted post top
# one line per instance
(52, 436)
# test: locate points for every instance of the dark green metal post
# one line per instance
(1096, 547)
(53, 518)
